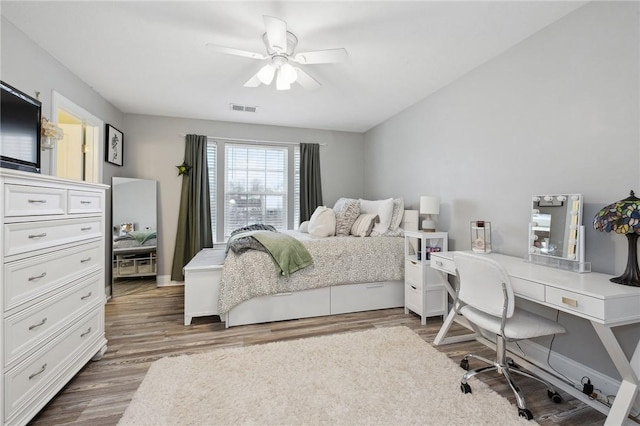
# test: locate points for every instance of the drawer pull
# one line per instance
(86, 297)
(37, 277)
(37, 201)
(570, 302)
(438, 263)
(44, 367)
(86, 228)
(375, 285)
(41, 323)
(85, 202)
(413, 262)
(283, 294)
(86, 332)
(85, 260)
(44, 234)
(413, 287)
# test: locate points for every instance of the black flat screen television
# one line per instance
(20, 127)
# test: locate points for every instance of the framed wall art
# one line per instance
(114, 146)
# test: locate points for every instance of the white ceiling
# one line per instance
(150, 57)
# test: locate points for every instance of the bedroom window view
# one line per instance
(257, 186)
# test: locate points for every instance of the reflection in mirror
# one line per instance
(555, 225)
(134, 229)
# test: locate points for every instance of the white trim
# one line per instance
(165, 281)
(255, 141)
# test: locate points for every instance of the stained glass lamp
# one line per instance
(623, 217)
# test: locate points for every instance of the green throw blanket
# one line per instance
(288, 254)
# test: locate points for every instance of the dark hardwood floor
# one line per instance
(145, 323)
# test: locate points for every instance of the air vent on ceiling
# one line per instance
(245, 108)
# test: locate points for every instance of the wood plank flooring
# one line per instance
(145, 323)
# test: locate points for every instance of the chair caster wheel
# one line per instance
(464, 364)
(465, 388)
(523, 412)
(511, 363)
(554, 396)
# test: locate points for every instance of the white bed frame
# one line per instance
(202, 279)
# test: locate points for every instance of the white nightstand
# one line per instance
(424, 290)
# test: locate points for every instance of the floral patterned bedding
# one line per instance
(336, 260)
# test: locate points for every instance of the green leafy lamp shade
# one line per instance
(623, 217)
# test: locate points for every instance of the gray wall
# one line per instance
(155, 146)
(558, 113)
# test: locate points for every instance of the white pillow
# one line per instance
(304, 227)
(384, 210)
(322, 222)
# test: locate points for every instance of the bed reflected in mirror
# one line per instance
(554, 225)
(134, 234)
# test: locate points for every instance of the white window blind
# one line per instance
(255, 189)
(296, 187)
(212, 165)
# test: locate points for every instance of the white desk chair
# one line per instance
(485, 297)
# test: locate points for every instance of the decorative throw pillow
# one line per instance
(304, 227)
(347, 211)
(398, 212)
(364, 224)
(322, 222)
(384, 210)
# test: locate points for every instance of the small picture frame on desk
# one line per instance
(114, 146)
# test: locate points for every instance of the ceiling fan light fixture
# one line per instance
(281, 82)
(266, 73)
(288, 73)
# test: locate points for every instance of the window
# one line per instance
(253, 184)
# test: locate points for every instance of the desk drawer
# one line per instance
(567, 300)
(29, 278)
(30, 236)
(413, 271)
(23, 200)
(442, 264)
(85, 202)
(528, 289)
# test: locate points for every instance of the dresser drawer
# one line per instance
(24, 383)
(23, 200)
(443, 264)
(30, 236)
(28, 328)
(85, 202)
(29, 278)
(413, 271)
(568, 300)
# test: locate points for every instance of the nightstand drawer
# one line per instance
(413, 298)
(23, 200)
(413, 271)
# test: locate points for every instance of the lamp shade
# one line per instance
(429, 204)
(623, 217)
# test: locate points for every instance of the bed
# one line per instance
(349, 274)
(134, 241)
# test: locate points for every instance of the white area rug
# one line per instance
(384, 376)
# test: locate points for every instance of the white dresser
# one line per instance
(53, 291)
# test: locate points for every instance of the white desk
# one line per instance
(591, 296)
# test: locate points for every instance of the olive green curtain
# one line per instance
(194, 219)
(310, 182)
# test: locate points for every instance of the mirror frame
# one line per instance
(572, 210)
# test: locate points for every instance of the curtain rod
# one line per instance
(255, 140)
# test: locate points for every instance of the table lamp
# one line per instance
(623, 217)
(429, 205)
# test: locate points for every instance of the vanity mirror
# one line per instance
(555, 229)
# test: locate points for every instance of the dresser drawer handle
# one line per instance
(44, 234)
(44, 367)
(86, 297)
(41, 323)
(85, 202)
(37, 277)
(86, 228)
(570, 302)
(86, 332)
(85, 260)
(37, 201)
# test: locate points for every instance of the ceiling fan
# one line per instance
(281, 45)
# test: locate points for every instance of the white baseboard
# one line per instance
(165, 281)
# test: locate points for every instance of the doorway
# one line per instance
(78, 155)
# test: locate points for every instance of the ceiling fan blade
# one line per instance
(253, 81)
(306, 81)
(236, 52)
(322, 56)
(276, 33)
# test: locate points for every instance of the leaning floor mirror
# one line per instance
(135, 238)
(556, 234)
